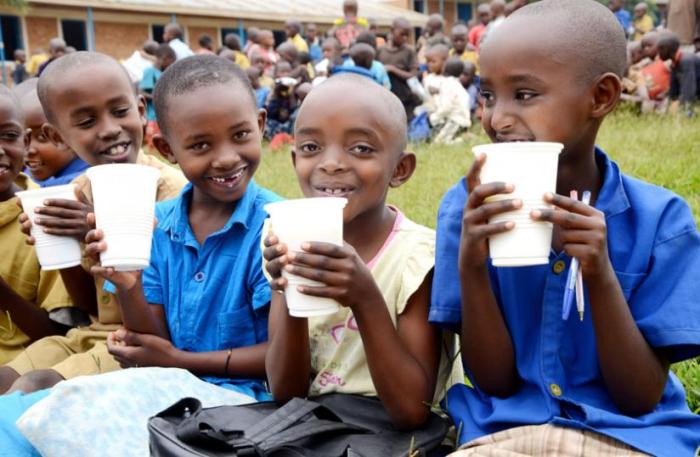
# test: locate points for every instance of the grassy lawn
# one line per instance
(663, 151)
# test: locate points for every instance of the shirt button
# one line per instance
(559, 266)
(199, 277)
(555, 389)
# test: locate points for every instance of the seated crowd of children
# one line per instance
(211, 301)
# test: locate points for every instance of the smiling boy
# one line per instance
(92, 109)
(543, 385)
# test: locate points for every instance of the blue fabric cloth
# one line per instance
(261, 96)
(654, 247)
(624, 18)
(65, 176)
(215, 296)
(354, 69)
(12, 406)
(377, 70)
(315, 53)
(151, 75)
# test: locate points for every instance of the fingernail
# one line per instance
(279, 249)
(536, 213)
(517, 203)
(548, 196)
(510, 187)
(510, 225)
(289, 267)
(306, 246)
(37, 209)
(291, 256)
(46, 202)
(38, 220)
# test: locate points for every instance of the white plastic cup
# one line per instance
(124, 198)
(308, 219)
(532, 168)
(54, 252)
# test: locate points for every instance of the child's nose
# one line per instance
(110, 129)
(502, 118)
(226, 158)
(332, 161)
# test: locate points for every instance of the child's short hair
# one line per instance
(453, 67)
(6, 92)
(192, 73)
(362, 54)
(164, 50)
(232, 41)
(439, 49)
(59, 69)
(588, 34)
(669, 42)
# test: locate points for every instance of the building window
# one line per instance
(419, 5)
(464, 12)
(74, 33)
(157, 32)
(11, 35)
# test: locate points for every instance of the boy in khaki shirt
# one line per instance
(32, 302)
(91, 108)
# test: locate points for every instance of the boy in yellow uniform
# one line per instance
(92, 108)
(32, 302)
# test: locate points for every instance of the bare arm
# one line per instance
(81, 288)
(33, 321)
(288, 360)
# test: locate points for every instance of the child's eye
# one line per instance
(86, 123)
(524, 95)
(242, 135)
(361, 149)
(199, 147)
(309, 148)
(486, 96)
(121, 112)
(41, 138)
(9, 136)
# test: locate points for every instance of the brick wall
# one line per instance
(193, 34)
(119, 40)
(39, 31)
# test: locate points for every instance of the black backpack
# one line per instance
(334, 425)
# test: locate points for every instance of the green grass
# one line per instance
(661, 150)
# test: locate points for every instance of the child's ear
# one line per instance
(262, 119)
(164, 148)
(606, 95)
(54, 137)
(27, 138)
(404, 169)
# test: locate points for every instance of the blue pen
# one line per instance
(570, 290)
(580, 303)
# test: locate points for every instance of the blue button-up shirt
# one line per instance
(654, 247)
(215, 295)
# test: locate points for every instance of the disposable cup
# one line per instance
(54, 252)
(308, 219)
(124, 198)
(532, 168)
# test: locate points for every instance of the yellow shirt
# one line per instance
(641, 26)
(241, 60)
(299, 43)
(170, 184)
(35, 62)
(20, 269)
(468, 56)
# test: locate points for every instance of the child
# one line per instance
(362, 56)
(258, 60)
(642, 22)
(232, 42)
(32, 301)
(19, 73)
(477, 32)
(350, 137)
(544, 385)
(461, 47)
(347, 28)
(292, 29)
(91, 108)
(469, 81)
(378, 71)
(432, 36)
(400, 62)
(165, 56)
(332, 57)
(685, 73)
(288, 53)
(203, 302)
(281, 104)
(432, 80)
(47, 164)
(452, 114)
(265, 47)
(261, 93)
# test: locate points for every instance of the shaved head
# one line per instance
(581, 33)
(378, 100)
(67, 67)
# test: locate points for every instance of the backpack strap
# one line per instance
(286, 416)
(308, 429)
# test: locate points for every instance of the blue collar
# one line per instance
(612, 198)
(177, 223)
(65, 176)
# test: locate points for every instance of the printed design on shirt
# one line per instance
(337, 331)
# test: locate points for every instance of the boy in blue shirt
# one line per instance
(601, 386)
(203, 303)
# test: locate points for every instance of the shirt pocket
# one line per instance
(236, 329)
(629, 282)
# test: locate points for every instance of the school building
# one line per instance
(118, 27)
(451, 10)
